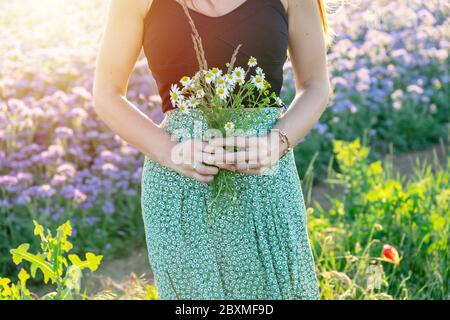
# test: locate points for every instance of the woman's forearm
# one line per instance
(132, 125)
(304, 112)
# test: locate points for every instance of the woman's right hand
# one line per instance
(192, 158)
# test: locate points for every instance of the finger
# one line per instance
(213, 160)
(199, 146)
(235, 157)
(209, 148)
(204, 146)
(240, 141)
(229, 167)
(202, 178)
(240, 167)
(247, 156)
(207, 158)
(268, 160)
(206, 170)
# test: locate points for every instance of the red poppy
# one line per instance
(390, 254)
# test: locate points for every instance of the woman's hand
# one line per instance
(255, 155)
(193, 158)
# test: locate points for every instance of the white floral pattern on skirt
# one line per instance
(257, 249)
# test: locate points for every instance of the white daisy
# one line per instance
(230, 79)
(240, 81)
(221, 82)
(229, 126)
(192, 102)
(186, 81)
(259, 71)
(258, 81)
(252, 62)
(239, 73)
(222, 92)
(183, 107)
(216, 72)
(175, 94)
(209, 77)
(278, 101)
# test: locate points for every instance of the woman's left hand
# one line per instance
(255, 155)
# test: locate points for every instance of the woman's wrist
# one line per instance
(160, 149)
(284, 145)
(284, 149)
(164, 156)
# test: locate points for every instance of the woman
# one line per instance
(259, 249)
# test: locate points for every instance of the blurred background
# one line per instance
(374, 170)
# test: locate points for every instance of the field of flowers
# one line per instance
(381, 218)
(391, 78)
(390, 70)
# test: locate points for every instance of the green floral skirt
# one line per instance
(257, 248)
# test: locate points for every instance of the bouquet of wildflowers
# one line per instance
(221, 94)
(214, 93)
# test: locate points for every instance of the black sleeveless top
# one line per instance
(261, 26)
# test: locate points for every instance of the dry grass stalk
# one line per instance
(233, 58)
(198, 44)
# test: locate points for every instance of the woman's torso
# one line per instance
(261, 26)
